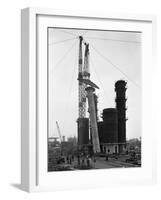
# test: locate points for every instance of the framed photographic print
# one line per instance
(86, 106)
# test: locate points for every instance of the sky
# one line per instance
(114, 55)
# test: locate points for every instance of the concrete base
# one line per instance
(110, 148)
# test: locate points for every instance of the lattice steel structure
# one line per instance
(83, 73)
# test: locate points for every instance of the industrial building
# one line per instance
(112, 128)
(108, 131)
(108, 135)
(105, 139)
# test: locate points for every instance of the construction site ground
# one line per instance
(99, 163)
(102, 163)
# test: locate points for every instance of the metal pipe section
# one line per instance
(93, 120)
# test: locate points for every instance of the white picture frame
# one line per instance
(32, 177)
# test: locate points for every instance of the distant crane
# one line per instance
(57, 125)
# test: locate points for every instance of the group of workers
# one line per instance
(69, 159)
(85, 161)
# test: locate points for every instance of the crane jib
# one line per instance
(88, 82)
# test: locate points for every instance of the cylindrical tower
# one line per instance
(120, 88)
(100, 131)
(96, 105)
(83, 131)
(93, 119)
(110, 125)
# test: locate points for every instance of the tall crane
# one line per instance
(83, 77)
(81, 85)
(84, 93)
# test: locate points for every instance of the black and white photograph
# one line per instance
(94, 99)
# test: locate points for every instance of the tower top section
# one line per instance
(120, 83)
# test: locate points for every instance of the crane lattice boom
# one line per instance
(87, 92)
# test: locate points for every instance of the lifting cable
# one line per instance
(66, 32)
(117, 68)
(62, 41)
(99, 80)
(66, 53)
(85, 32)
(71, 84)
(114, 40)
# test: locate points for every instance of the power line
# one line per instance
(109, 61)
(62, 41)
(114, 40)
(67, 52)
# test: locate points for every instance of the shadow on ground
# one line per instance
(18, 186)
